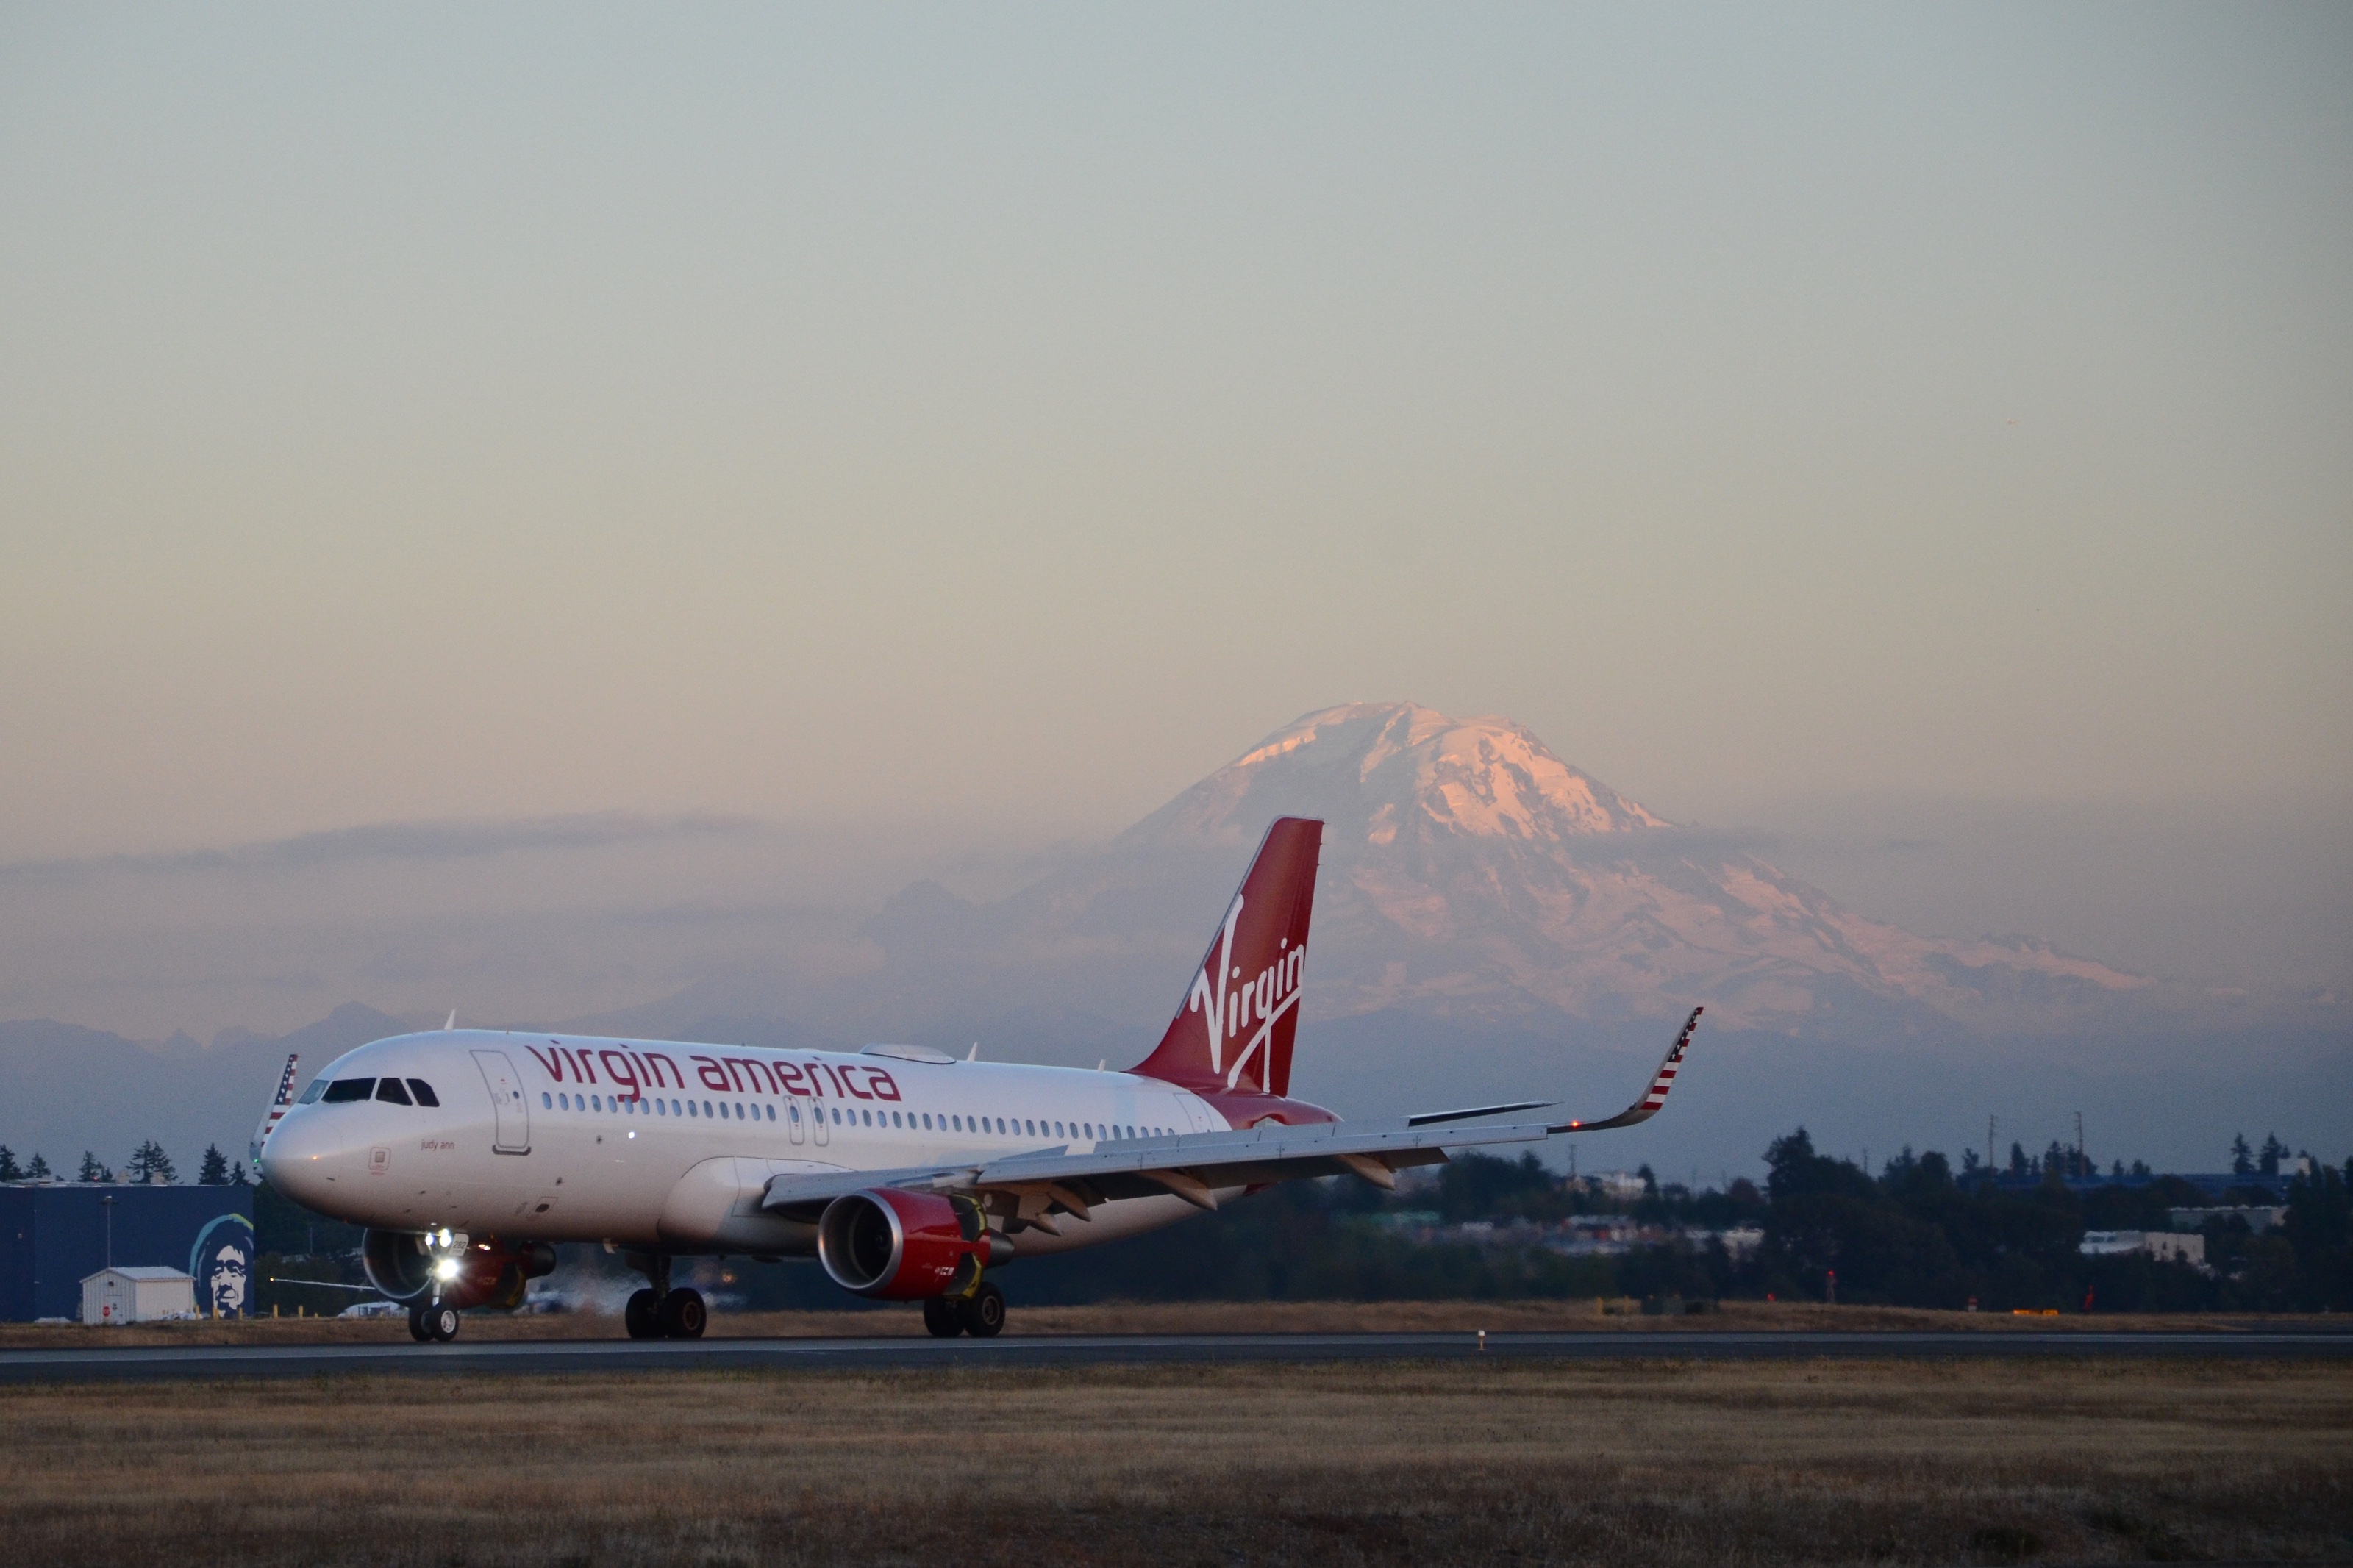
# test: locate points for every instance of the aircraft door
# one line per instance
(816, 1109)
(793, 1128)
(506, 1098)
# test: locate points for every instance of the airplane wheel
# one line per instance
(983, 1312)
(683, 1314)
(417, 1329)
(941, 1318)
(441, 1324)
(642, 1316)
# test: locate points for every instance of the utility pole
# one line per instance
(106, 1207)
(2081, 1167)
(1990, 1122)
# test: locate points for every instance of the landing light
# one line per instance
(446, 1269)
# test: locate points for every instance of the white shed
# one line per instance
(137, 1295)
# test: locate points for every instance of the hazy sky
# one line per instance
(1009, 414)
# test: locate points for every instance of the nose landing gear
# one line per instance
(429, 1325)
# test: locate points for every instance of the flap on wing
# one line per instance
(1433, 1118)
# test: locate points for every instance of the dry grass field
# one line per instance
(1885, 1462)
(1190, 1318)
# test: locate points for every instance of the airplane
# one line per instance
(907, 1173)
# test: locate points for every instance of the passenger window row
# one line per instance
(1009, 1127)
(638, 1105)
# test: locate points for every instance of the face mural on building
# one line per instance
(221, 1263)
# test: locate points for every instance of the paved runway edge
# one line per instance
(498, 1357)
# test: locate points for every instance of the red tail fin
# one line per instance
(1233, 1032)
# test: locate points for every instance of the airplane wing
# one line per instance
(1189, 1164)
(1039, 1187)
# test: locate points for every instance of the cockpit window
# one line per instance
(389, 1089)
(344, 1089)
(311, 1095)
(423, 1091)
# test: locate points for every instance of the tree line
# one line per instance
(1917, 1234)
(148, 1162)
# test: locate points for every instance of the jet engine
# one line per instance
(425, 1266)
(903, 1245)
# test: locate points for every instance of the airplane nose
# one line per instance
(304, 1160)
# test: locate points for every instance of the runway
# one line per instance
(493, 1357)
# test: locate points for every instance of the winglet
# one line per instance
(1648, 1106)
(452, 1023)
(271, 1118)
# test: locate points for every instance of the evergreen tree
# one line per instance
(214, 1171)
(2268, 1162)
(91, 1171)
(38, 1171)
(2242, 1159)
(2018, 1162)
(149, 1164)
(8, 1172)
(236, 1174)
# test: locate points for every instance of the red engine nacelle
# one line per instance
(901, 1246)
(406, 1267)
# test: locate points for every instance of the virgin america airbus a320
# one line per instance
(909, 1174)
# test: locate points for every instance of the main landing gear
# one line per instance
(659, 1312)
(427, 1324)
(678, 1315)
(980, 1314)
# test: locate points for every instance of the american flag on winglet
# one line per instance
(284, 1096)
(279, 1105)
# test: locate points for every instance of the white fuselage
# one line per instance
(668, 1146)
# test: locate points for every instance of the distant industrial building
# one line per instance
(2165, 1246)
(55, 1236)
(138, 1295)
(1626, 1186)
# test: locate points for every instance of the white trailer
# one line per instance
(137, 1295)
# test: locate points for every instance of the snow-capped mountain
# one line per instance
(1469, 878)
(1469, 871)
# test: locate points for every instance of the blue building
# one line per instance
(53, 1236)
